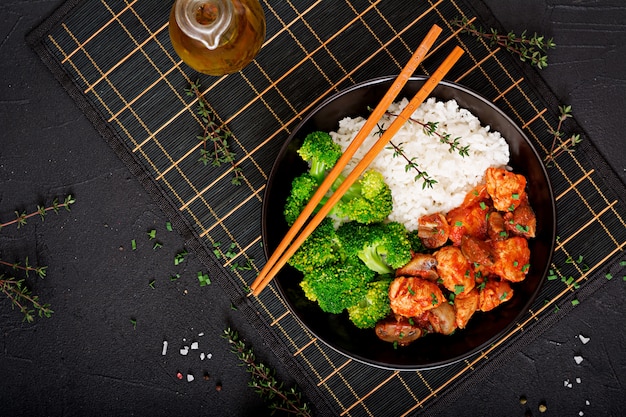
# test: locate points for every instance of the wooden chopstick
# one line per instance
(379, 111)
(395, 126)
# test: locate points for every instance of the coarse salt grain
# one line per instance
(578, 359)
(209, 355)
(202, 356)
(587, 402)
(184, 351)
(189, 378)
(200, 334)
(164, 351)
(194, 346)
(584, 339)
(580, 413)
(578, 380)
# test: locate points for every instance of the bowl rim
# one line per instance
(551, 232)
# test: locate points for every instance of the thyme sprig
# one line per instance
(214, 134)
(432, 129)
(15, 289)
(21, 217)
(566, 145)
(411, 164)
(532, 49)
(264, 382)
(23, 299)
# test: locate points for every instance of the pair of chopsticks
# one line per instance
(286, 248)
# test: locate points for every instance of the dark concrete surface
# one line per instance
(89, 359)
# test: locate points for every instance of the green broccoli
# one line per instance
(321, 248)
(368, 200)
(302, 189)
(383, 247)
(321, 153)
(416, 242)
(337, 286)
(373, 307)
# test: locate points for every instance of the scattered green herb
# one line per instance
(134, 323)
(531, 49)
(174, 277)
(203, 278)
(609, 276)
(157, 245)
(151, 234)
(215, 136)
(151, 283)
(180, 257)
(133, 244)
(575, 302)
(168, 226)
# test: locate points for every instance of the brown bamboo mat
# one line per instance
(115, 59)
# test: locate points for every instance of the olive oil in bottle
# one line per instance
(217, 37)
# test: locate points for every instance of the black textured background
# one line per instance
(89, 360)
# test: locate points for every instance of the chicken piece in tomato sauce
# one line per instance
(464, 221)
(412, 296)
(494, 293)
(507, 189)
(465, 305)
(512, 258)
(455, 272)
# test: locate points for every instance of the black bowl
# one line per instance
(433, 350)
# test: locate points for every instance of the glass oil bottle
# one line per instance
(217, 37)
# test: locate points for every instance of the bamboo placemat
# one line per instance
(115, 59)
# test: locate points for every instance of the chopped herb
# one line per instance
(503, 234)
(411, 321)
(520, 228)
(203, 278)
(483, 206)
(552, 275)
(515, 263)
(180, 257)
(157, 245)
(133, 244)
(134, 323)
(152, 234)
(622, 263)
(515, 196)
(435, 300)
(458, 223)
(609, 276)
(458, 289)
(168, 226)
(151, 284)
(410, 290)
(525, 267)
(512, 207)
(174, 277)
(503, 296)
(575, 302)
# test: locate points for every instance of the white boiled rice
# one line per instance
(455, 175)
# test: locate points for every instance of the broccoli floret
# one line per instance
(337, 286)
(321, 153)
(373, 307)
(416, 242)
(302, 189)
(368, 200)
(321, 248)
(383, 247)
